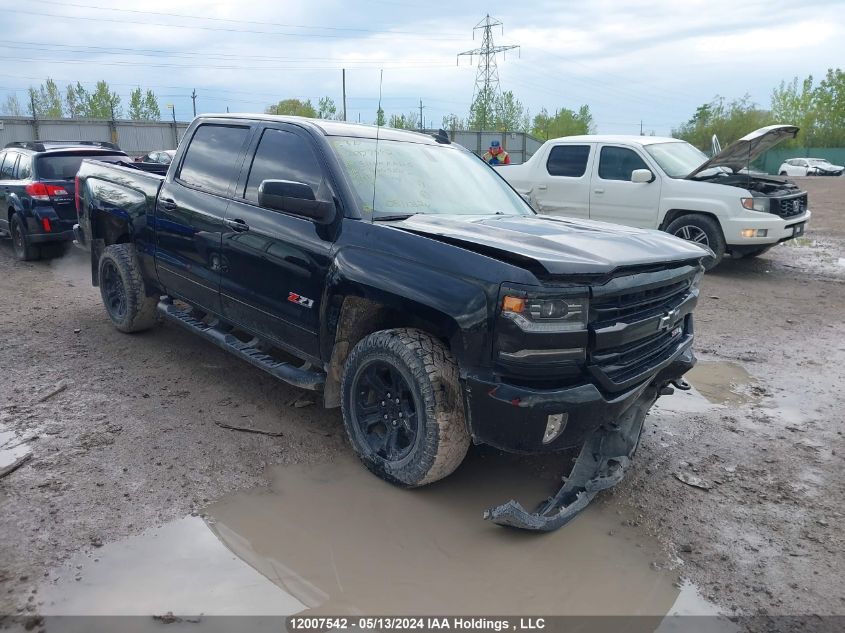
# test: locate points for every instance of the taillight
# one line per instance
(45, 222)
(38, 191)
(76, 199)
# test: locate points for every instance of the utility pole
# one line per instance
(344, 94)
(194, 99)
(422, 123)
(34, 114)
(641, 127)
(487, 92)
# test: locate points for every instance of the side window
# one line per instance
(24, 168)
(568, 160)
(211, 159)
(283, 156)
(617, 163)
(7, 170)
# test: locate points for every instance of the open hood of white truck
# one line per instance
(740, 153)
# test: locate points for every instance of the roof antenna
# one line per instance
(379, 116)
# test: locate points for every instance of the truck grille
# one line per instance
(629, 361)
(637, 322)
(790, 207)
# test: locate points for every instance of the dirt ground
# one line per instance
(123, 435)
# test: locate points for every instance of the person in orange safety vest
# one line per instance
(496, 155)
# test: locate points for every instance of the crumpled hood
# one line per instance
(559, 245)
(740, 153)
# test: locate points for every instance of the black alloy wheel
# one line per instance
(113, 291)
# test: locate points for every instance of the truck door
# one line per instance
(614, 198)
(274, 263)
(564, 188)
(191, 211)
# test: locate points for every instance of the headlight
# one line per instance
(756, 204)
(546, 314)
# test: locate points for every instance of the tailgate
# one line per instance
(61, 194)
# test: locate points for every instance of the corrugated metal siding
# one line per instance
(134, 137)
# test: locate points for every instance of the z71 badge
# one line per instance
(300, 300)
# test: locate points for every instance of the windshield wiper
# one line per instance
(394, 217)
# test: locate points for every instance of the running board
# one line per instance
(302, 378)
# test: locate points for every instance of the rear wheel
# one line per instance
(123, 291)
(702, 230)
(24, 251)
(402, 407)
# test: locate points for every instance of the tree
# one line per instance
(482, 112)
(510, 114)
(151, 106)
(791, 104)
(143, 107)
(380, 120)
(326, 109)
(49, 100)
(404, 121)
(71, 102)
(563, 122)
(12, 106)
(453, 122)
(293, 107)
(727, 120)
(829, 109)
(100, 104)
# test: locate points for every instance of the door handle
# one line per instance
(236, 224)
(542, 187)
(168, 203)
(598, 190)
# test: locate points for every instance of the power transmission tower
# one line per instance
(486, 95)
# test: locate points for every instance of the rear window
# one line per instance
(65, 166)
(568, 160)
(210, 162)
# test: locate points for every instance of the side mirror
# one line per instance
(295, 198)
(642, 175)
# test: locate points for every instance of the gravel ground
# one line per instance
(123, 435)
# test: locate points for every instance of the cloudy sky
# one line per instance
(650, 61)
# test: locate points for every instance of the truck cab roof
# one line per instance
(334, 128)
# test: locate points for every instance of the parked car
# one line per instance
(809, 167)
(665, 183)
(155, 162)
(417, 291)
(37, 188)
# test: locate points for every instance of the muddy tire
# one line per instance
(402, 407)
(123, 291)
(24, 251)
(702, 230)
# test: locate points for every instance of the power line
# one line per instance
(213, 19)
(487, 91)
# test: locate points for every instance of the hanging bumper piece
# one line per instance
(600, 465)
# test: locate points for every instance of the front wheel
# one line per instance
(402, 407)
(702, 230)
(123, 291)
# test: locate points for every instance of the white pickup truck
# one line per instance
(665, 183)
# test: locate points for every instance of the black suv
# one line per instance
(37, 192)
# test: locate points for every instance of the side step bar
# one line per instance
(302, 378)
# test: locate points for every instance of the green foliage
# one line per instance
(727, 120)
(293, 107)
(453, 122)
(563, 122)
(326, 109)
(504, 113)
(143, 106)
(380, 120)
(408, 121)
(12, 107)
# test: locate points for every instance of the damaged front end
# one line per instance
(601, 464)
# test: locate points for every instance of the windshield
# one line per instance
(677, 159)
(65, 166)
(417, 178)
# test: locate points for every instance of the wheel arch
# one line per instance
(674, 214)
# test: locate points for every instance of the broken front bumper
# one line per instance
(605, 454)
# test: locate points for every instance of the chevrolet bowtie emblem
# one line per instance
(667, 320)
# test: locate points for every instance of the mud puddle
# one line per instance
(723, 382)
(333, 539)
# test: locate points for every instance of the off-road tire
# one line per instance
(431, 373)
(24, 251)
(139, 311)
(709, 227)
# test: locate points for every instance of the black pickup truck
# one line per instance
(406, 281)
